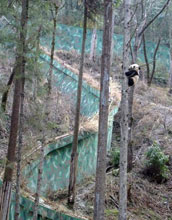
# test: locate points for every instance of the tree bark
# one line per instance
(93, 44)
(99, 201)
(35, 80)
(39, 180)
(112, 44)
(124, 116)
(74, 154)
(146, 59)
(20, 61)
(130, 127)
(20, 145)
(170, 75)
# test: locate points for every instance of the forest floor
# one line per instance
(152, 122)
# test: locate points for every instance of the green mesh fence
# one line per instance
(67, 82)
(56, 166)
(44, 212)
(70, 38)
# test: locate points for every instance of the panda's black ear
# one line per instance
(139, 68)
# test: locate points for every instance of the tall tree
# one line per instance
(54, 11)
(19, 149)
(99, 201)
(124, 115)
(5, 194)
(93, 44)
(112, 44)
(74, 154)
(170, 43)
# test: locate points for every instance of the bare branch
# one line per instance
(153, 19)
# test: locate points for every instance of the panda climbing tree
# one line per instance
(133, 74)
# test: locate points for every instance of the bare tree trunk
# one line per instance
(39, 180)
(150, 75)
(93, 44)
(154, 62)
(74, 154)
(35, 83)
(124, 116)
(170, 73)
(170, 77)
(146, 59)
(99, 201)
(20, 145)
(112, 44)
(20, 61)
(52, 48)
(130, 127)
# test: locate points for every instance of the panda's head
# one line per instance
(135, 67)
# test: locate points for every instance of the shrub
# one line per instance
(116, 157)
(156, 163)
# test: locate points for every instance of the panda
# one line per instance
(133, 74)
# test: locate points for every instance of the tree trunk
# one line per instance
(146, 59)
(170, 75)
(20, 62)
(130, 125)
(112, 44)
(93, 44)
(39, 180)
(20, 145)
(154, 62)
(74, 154)
(35, 80)
(52, 49)
(99, 201)
(124, 116)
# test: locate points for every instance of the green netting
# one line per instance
(69, 38)
(57, 161)
(57, 155)
(67, 82)
(26, 211)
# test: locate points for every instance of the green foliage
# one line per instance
(115, 157)
(111, 213)
(117, 3)
(156, 162)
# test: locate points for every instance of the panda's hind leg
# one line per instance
(130, 82)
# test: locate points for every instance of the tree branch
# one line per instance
(153, 19)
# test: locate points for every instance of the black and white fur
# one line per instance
(133, 74)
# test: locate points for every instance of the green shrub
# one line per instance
(156, 163)
(116, 157)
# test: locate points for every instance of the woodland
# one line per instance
(76, 140)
